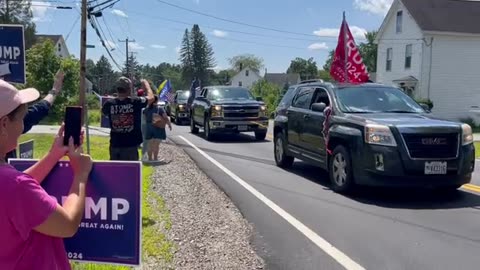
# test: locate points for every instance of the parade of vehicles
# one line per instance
(228, 109)
(374, 135)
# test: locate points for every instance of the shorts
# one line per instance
(155, 133)
(124, 153)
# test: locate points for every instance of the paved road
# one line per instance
(296, 216)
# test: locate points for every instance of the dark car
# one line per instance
(227, 109)
(178, 110)
(377, 136)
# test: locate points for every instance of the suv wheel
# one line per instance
(193, 127)
(340, 170)
(261, 135)
(207, 130)
(281, 158)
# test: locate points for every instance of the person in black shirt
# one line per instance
(124, 113)
(38, 111)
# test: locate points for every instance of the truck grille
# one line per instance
(432, 146)
(240, 111)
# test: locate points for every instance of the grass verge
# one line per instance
(155, 215)
(477, 149)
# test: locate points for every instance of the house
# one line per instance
(246, 78)
(282, 79)
(61, 49)
(431, 49)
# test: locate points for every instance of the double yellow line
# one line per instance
(471, 187)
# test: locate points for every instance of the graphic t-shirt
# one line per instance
(125, 116)
(24, 205)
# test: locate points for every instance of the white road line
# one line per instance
(323, 244)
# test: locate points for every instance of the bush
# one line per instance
(93, 102)
(94, 117)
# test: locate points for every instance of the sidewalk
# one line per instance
(44, 129)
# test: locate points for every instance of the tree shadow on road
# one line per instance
(401, 198)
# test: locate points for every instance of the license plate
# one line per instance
(435, 167)
(242, 128)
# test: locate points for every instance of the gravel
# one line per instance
(208, 231)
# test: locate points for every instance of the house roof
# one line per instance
(445, 15)
(53, 38)
(282, 78)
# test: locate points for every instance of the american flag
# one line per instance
(166, 94)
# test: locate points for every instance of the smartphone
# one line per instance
(73, 124)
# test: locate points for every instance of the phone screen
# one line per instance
(73, 124)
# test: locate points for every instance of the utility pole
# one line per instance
(83, 58)
(126, 49)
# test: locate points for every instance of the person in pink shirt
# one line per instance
(32, 223)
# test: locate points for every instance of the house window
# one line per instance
(389, 59)
(246, 73)
(240, 84)
(399, 21)
(59, 47)
(408, 56)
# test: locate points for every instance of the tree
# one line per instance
(202, 54)
(306, 68)
(329, 61)
(270, 93)
(369, 50)
(104, 77)
(222, 77)
(325, 75)
(42, 65)
(19, 12)
(240, 62)
(186, 57)
(133, 70)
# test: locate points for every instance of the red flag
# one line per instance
(347, 65)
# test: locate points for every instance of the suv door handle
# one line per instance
(306, 116)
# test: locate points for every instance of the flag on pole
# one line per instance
(166, 92)
(347, 65)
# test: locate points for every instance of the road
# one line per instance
(301, 224)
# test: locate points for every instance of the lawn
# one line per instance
(93, 119)
(477, 148)
(154, 244)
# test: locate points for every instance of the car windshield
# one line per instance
(376, 100)
(183, 95)
(230, 94)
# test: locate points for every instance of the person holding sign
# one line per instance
(33, 223)
(156, 120)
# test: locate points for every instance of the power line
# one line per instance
(92, 23)
(235, 22)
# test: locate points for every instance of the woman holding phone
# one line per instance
(31, 221)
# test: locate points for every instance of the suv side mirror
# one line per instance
(319, 107)
(425, 106)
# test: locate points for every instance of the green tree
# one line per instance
(369, 50)
(306, 68)
(42, 65)
(270, 93)
(186, 57)
(325, 75)
(240, 62)
(328, 62)
(104, 76)
(133, 70)
(202, 54)
(222, 77)
(19, 12)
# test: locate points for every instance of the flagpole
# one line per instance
(345, 39)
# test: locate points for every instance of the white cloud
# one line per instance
(135, 46)
(157, 46)
(219, 33)
(318, 46)
(377, 7)
(39, 11)
(119, 13)
(110, 44)
(178, 49)
(357, 32)
(217, 68)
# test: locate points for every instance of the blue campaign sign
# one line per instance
(25, 149)
(12, 53)
(110, 231)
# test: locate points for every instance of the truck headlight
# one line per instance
(181, 107)
(467, 134)
(216, 111)
(263, 111)
(379, 135)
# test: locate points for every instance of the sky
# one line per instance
(295, 28)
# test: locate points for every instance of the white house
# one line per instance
(61, 49)
(431, 49)
(245, 78)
